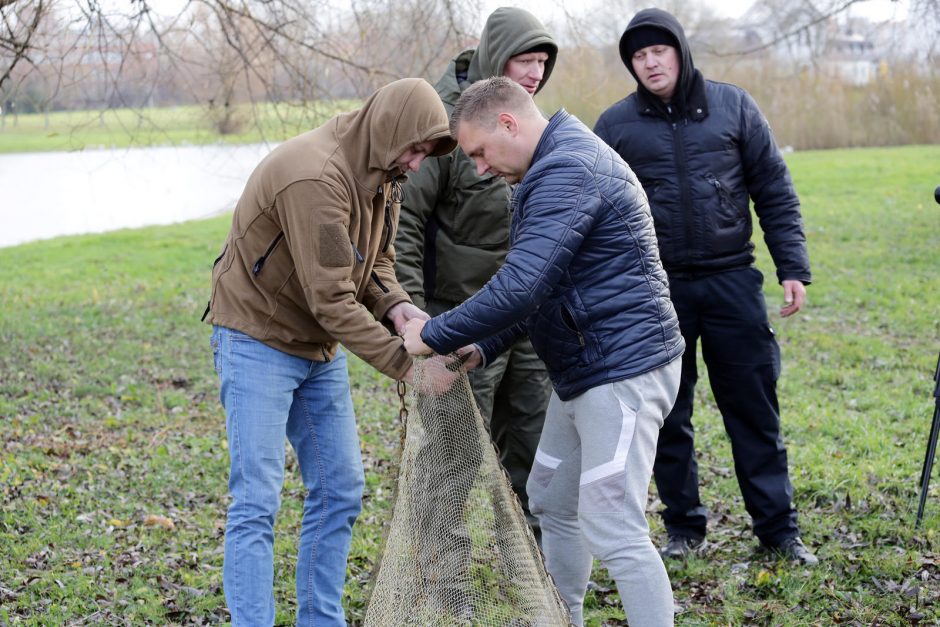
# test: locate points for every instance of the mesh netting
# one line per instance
(458, 549)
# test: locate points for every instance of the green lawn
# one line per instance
(109, 415)
(172, 126)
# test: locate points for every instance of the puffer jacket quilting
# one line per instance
(583, 275)
(700, 175)
(701, 159)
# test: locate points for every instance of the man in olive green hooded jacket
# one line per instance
(308, 265)
(454, 235)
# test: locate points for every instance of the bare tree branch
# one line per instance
(17, 33)
(796, 30)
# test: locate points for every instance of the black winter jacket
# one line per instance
(700, 161)
(583, 275)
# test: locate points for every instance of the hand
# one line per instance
(471, 355)
(794, 294)
(402, 312)
(436, 375)
(411, 333)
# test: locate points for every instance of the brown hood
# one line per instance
(309, 260)
(394, 118)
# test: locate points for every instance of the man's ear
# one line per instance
(508, 122)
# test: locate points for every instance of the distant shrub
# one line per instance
(227, 119)
(806, 108)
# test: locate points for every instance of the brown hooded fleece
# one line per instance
(308, 262)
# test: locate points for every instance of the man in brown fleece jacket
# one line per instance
(308, 265)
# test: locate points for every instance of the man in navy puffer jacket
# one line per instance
(584, 279)
(702, 150)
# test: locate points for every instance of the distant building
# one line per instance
(852, 57)
(850, 50)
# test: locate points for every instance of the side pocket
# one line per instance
(775, 351)
(729, 215)
(256, 269)
(568, 319)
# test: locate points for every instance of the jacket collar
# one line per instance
(546, 141)
(696, 102)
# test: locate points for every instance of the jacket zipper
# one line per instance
(388, 226)
(214, 264)
(378, 282)
(396, 196)
(684, 195)
(570, 323)
(724, 198)
(221, 254)
(256, 269)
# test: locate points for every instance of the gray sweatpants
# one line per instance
(589, 487)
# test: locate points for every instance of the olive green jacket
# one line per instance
(454, 228)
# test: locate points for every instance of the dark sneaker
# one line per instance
(794, 549)
(680, 547)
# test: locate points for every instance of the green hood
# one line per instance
(510, 31)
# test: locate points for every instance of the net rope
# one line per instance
(458, 550)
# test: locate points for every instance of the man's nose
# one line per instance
(537, 71)
(416, 163)
(482, 168)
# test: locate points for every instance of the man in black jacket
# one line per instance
(702, 151)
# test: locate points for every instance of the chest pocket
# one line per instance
(481, 206)
(728, 213)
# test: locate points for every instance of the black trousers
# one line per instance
(728, 313)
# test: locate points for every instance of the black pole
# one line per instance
(931, 446)
(934, 429)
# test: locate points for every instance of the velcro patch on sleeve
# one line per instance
(335, 247)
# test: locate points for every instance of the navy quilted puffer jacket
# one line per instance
(701, 159)
(583, 275)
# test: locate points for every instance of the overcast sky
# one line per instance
(877, 10)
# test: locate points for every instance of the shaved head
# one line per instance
(483, 101)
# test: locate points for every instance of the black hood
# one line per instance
(690, 89)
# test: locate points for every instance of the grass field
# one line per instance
(122, 128)
(113, 466)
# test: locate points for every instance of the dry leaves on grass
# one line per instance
(153, 520)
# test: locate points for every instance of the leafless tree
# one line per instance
(232, 56)
(20, 23)
(221, 53)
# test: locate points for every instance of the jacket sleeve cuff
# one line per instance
(387, 301)
(484, 360)
(399, 365)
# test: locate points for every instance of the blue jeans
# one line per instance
(268, 394)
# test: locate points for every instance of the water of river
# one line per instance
(49, 194)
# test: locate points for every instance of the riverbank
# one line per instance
(68, 193)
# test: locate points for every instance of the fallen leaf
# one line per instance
(158, 521)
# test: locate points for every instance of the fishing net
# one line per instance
(458, 550)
